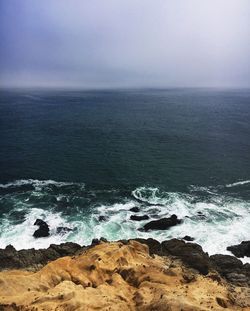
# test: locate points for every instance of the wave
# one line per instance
(37, 182)
(215, 219)
(239, 183)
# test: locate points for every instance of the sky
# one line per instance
(124, 43)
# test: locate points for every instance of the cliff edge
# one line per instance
(127, 275)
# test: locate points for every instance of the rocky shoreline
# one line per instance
(191, 254)
(140, 274)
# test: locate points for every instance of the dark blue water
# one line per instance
(113, 147)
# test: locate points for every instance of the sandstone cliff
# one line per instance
(122, 276)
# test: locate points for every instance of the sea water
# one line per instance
(71, 156)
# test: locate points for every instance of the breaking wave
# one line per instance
(213, 217)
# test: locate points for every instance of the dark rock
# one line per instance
(63, 230)
(226, 264)
(162, 224)
(135, 209)
(139, 218)
(232, 269)
(40, 222)
(66, 249)
(188, 238)
(153, 245)
(98, 241)
(95, 242)
(240, 250)
(190, 253)
(102, 218)
(43, 230)
(10, 258)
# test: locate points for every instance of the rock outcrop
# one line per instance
(240, 250)
(139, 218)
(32, 259)
(162, 224)
(120, 276)
(43, 230)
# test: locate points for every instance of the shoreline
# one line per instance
(141, 274)
(190, 253)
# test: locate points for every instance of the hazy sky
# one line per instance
(125, 43)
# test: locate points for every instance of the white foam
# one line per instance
(21, 235)
(38, 183)
(239, 183)
(225, 221)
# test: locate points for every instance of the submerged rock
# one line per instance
(135, 209)
(102, 218)
(188, 238)
(63, 230)
(162, 224)
(43, 230)
(139, 218)
(240, 250)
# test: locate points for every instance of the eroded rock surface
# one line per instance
(119, 276)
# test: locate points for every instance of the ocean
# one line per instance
(71, 156)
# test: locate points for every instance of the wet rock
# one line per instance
(102, 218)
(162, 224)
(98, 241)
(135, 209)
(240, 250)
(63, 230)
(190, 253)
(188, 238)
(43, 230)
(32, 258)
(139, 218)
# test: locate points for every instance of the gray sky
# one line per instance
(125, 43)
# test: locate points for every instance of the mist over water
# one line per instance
(69, 157)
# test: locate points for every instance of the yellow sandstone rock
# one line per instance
(114, 276)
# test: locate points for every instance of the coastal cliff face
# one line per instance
(127, 275)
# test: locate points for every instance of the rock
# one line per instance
(232, 269)
(63, 230)
(43, 230)
(188, 238)
(153, 245)
(162, 224)
(135, 209)
(10, 258)
(226, 264)
(190, 253)
(117, 276)
(240, 250)
(139, 218)
(102, 218)
(98, 241)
